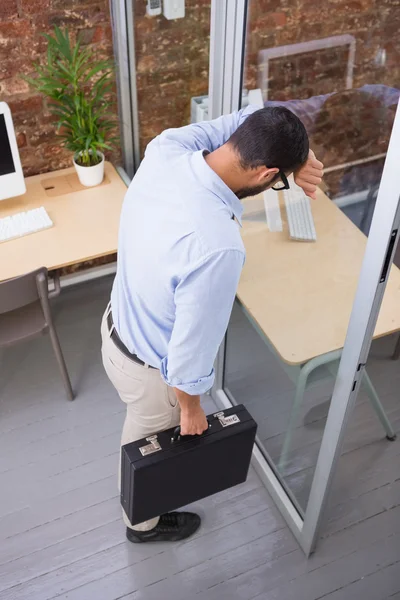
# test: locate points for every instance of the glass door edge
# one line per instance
(269, 479)
(358, 338)
(364, 315)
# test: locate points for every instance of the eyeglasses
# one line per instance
(283, 184)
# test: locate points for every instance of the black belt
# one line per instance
(120, 344)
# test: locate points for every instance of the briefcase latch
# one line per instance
(227, 421)
(154, 446)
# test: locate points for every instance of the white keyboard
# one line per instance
(300, 219)
(24, 223)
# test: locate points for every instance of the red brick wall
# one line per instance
(21, 23)
(278, 22)
(172, 57)
(363, 132)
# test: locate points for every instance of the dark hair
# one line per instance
(271, 137)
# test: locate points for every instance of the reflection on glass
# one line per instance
(256, 377)
(172, 59)
(294, 300)
(349, 131)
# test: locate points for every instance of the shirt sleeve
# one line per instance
(207, 135)
(203, 304)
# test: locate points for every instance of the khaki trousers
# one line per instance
(151, 405)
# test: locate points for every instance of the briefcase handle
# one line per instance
(177, 434)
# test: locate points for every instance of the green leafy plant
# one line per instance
(78, 87)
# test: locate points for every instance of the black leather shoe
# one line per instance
(172, 527)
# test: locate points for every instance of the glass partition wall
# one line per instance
(297, 345)
(162, 70)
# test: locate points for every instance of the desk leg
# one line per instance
(298, 399)
(305, 372)
(375, 402)
(377, 406)
(396, 353)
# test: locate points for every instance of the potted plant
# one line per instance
(78, 87)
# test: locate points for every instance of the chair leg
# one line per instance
(61, 362)
(396, 353)
(377, 406)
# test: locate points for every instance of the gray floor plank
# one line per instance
(96, 470)
(82, 506)
(343, 544)
(382, 469)
(60, 529)
(49, 534)
(33, 473)
(206, 548)
(45, 511)
(61, 554)
(363, 507)
(82, 416)
(56, 443)
(362, 428)
(366, 469)
(376, 586)
(40, 404)
(218, 532)
(338, 574)
(195, 580)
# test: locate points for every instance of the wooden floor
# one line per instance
(61, 535)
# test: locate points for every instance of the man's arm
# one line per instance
(203, 304)
(207, 135)
(309, 176)
(210, 135)
(193, 419)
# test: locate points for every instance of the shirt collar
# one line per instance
(214, 183)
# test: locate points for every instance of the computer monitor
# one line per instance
(11, 176)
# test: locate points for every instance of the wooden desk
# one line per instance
(86, 222)
(301, 294)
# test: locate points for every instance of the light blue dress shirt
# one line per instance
(180, 255)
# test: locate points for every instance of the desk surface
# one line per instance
(300, 294)
(86, 222)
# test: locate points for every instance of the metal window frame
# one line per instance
(227, 35)
(123, 31)
(228, 23)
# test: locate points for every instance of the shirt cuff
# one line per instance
(193, 388)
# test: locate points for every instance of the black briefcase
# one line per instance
(165, 471)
